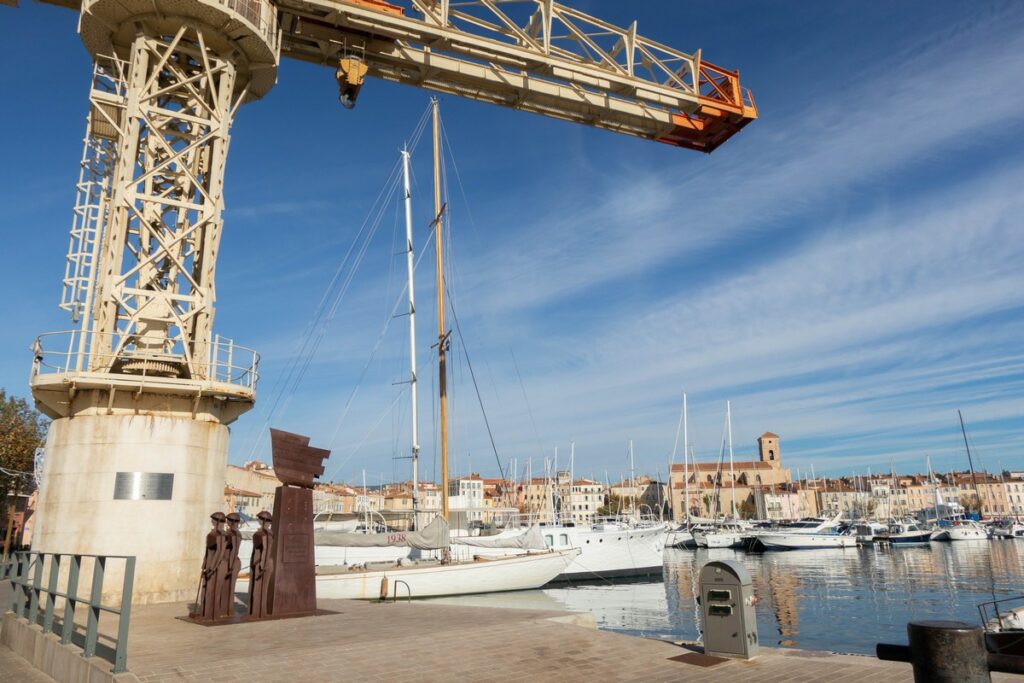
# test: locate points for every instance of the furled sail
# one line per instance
(432, 537)
(531, 539)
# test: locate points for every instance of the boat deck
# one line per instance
(366, 641)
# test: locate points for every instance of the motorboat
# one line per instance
(681, 537)
(807, 526)
(968, 531)
(608, 549)
(868, 532)
(1004, 626)
(784, 540)
(726, 535)
(960, 530)
(1007, 529)
(905, 533)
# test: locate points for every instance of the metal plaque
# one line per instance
(143, 486)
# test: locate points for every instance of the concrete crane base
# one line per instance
(78, 511)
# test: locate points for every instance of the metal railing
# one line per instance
(74, 351)
(260, 14)
(36, 602)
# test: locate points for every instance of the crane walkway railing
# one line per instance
(44, 591)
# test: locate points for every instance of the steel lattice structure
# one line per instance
(169, 77)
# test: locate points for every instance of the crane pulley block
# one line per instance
(351, 74)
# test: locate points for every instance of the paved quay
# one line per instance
(367, 641)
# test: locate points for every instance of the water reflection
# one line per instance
(845, 600)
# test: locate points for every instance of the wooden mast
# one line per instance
(442, 336)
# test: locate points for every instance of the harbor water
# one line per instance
(836, 600)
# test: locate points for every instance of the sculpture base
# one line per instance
(293, 583)
(198, 620)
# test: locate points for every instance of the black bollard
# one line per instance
(948, 652)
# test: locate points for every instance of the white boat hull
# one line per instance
(522, 572)
(718, 539)
(806, 541)
(607, 551)
(680, 538)
(967, 533)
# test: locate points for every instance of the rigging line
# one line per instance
(376, 347)
(533, 422)
(367, 435)
(458, 176)
(336, 304)
(306, 337)
(675, 446)
(284, 380)
(479, 398)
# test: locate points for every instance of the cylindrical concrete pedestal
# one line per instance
(86, 506)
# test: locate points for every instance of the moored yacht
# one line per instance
(806, 541)
(966, 530)
(727, 535)
(608, 549)
(905, 533)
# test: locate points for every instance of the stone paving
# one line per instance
(430, 642)
(420, 641)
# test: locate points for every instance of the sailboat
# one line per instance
(729, 533)
(682, 536)
(429, 570)
(961, 528)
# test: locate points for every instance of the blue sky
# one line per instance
(847, 270)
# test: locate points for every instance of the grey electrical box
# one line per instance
(727, 603)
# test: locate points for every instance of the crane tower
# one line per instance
(142, 390)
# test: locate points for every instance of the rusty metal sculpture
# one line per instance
(261, 567)
(293, 582)
(211, 580)
(232, 541)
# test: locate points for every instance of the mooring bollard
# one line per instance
(948, 652)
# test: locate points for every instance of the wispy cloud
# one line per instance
(848, 273)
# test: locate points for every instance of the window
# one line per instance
(563, 539)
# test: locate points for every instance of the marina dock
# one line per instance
(431, 642)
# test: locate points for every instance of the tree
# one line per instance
(969, 502)
(613, 506)
(22, 430)
(706, 499)
(747, 509)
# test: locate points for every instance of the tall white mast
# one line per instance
(409, 266)
(732, 473)
(632, 477)
(686, 462)
(572, 472)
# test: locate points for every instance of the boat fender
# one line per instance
(383, 588)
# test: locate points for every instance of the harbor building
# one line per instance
(738, 481)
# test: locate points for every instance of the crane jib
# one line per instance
(538, 56)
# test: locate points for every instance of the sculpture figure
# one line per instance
(261, 566)
(212, 577)
(232, 541)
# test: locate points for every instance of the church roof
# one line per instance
(768, 435)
